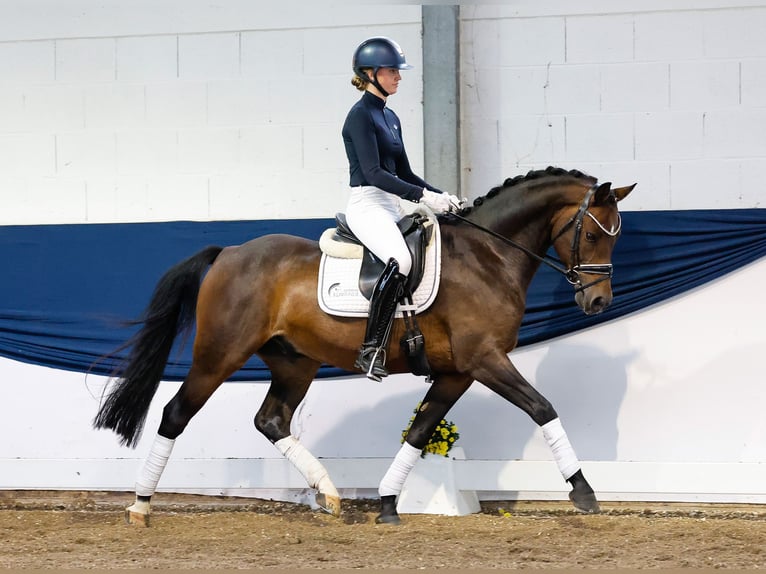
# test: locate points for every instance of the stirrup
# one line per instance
(371, 361)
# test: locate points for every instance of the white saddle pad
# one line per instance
(338, 285)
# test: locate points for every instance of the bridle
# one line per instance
(575, 269)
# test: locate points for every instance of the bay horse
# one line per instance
(260, 298)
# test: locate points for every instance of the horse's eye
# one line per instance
(590, 237)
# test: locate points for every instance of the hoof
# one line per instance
(328, 503)
(388, 514)
(136, 518)
(585, 502)
(388, 519)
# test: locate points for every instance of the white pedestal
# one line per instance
(431, 488)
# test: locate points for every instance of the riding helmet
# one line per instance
(378, 52)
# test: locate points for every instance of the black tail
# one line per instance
(170, 313)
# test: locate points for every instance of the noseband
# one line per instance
(605, 270)
(571, 273)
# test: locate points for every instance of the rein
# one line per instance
(572, 273)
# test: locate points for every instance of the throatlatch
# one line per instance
(385, 296)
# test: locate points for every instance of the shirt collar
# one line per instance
(372, 99)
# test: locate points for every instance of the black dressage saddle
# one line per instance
(416, 234)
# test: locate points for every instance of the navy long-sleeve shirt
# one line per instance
(372, 135)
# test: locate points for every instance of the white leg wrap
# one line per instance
(393, 481)
(562, 451)
(154, 465)
(311, 469)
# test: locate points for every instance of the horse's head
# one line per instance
(584, 236)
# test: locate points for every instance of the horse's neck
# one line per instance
(524, 219)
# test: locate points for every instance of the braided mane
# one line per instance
(530, 175)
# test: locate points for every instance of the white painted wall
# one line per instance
(113, 112)
(666, 94)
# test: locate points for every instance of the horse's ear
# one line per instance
(602, 193)
(622, 192)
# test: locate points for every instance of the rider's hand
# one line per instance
(456, 203)
(437, 202)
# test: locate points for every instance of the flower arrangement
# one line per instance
(442, 440)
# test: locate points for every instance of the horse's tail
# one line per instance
(170, 313)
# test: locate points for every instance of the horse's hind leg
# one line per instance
(291, 376)
(191, 396)
(443, 393)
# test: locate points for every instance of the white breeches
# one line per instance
(372, 214)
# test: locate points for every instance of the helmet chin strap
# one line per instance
(375, 83)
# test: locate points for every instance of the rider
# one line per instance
(380, 176)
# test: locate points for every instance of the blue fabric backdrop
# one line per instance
(67, 289)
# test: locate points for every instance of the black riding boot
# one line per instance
(385, 296)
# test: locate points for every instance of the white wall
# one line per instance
(671, 95)
(133, 112)
(113, 112)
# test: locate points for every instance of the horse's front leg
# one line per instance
(444, 392)
(499, 374)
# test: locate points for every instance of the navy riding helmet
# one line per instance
(378, 52)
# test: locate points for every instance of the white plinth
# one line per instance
(431, 488)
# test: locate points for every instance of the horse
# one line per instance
(260, 298)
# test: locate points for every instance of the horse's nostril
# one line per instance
(598, 304)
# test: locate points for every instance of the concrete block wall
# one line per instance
(671, 95)
(133, 113)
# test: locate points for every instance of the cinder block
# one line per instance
(735, 33)
(704, 184)
(147, 58)
(85, 154)
(319, 193)
(325, 52)
(208, 56)
(12, 109)
(754, 83)
(532, 138)
(110, 106)
(270, 146)
(652, 191)
(24, 154)
(249, 195)
(52, 200)
(599, 38)
(573, 89)
(480, 93)
(704, 85)
(604, 137)
(669, 135)
(237, 103)
(323, 147)
(663, 36)
(52, 108)
(27, 62)
(113, 199)
(136, 198)
(177, 197)
(176, 104)
(258, 54)
(735, 133)
(85, 60)
(752, 192)
(207, 151)
(480, 46)
(522, 90)
(530, 41)
(635, 87)
(147, 152)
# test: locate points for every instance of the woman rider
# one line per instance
(380, 177)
